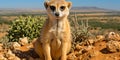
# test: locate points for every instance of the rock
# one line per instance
(2, 57)
(100, 37)
(113, 46)
(16, 58)
(10, 55)
(88, 48)
(71, 56)
(91, 41)
(112, 36)
(78, 47)
(23, 41)
(16, 45)
(1, 47)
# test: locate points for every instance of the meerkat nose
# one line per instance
(57, 14)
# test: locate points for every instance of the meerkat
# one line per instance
(55, 38)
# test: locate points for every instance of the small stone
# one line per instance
(1, 48)
(16, 45)
(23, 41)
(17, 58)
(10, 55)
(100, 37)
(91, 41)
(2, 57)
(78, 47)
(113, 46)
(88, 48)
(71, 56)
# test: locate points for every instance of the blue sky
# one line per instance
(109, 4)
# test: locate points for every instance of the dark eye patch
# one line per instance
(52, 8)
(62, 8)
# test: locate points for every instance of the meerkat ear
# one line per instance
(46, 4)
(69, 4)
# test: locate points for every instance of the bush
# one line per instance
(29, 26)
(80, 30)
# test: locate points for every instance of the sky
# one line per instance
(108, 4)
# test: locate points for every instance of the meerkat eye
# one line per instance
(62, 8)
(52, 8)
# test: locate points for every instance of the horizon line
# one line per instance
(42, 8)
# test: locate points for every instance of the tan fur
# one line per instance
(55, 40)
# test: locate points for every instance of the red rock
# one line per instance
(113, 46)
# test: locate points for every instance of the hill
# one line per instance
(92, 9)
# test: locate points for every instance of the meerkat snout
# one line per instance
(57, 14)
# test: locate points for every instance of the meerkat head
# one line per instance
(57, 8)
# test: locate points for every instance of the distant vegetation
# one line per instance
(4, 21)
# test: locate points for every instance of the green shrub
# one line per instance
(3, 21)
(29, 26)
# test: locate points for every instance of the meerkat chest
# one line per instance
(57, 28)
(56, 34)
